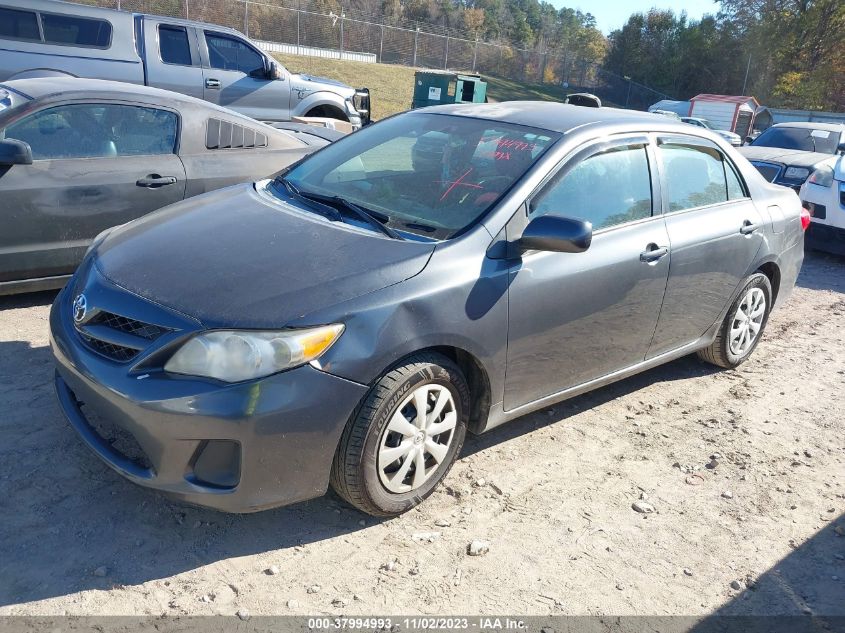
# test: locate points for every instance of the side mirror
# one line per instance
(749, 140)
(558, 234)
(274, 72)
(15, 152)
(840, 149)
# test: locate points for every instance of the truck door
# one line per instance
(236, 77)
(172, 57)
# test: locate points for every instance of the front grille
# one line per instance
(115, 352)
(769, 171)
(148, 331)
(118, 438)
(130, 338)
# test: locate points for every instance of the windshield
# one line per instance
(428, 174)
(799, 138)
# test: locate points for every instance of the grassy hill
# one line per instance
(392, 86)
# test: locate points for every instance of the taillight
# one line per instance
(805, 219)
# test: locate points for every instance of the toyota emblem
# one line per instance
(80, 308)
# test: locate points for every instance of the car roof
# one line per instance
(810, 125)
(557, 117)
(82, 88)
(38, 87)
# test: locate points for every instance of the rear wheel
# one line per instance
(404, 438)
(743, 325)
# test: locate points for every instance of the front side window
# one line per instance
(67, 29)
(609, 188)
(430, 174)
(799, 138)
(19, 25)
(228, 53)
(695, 176)
(96, 131)
(173, 45)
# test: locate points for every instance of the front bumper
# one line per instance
(825, 237)
(233, 447)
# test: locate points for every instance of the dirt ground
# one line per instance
(551, 492)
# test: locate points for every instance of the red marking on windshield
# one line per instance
(460, 181)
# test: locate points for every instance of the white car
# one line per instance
(730, 137)
(823, 195)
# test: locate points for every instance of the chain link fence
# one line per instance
(327, 27)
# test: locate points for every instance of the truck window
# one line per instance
(173, 45)
(19, 25)
(96, 130)
(67, 29)
(228, 53)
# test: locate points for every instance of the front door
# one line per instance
(235, 78)
(715, 232)
(575, 317)
(95, 165)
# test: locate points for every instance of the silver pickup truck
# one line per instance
(44, 38)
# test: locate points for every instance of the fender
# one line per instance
(300, 107)
(37, 73)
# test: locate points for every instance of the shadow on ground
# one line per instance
(822, 271)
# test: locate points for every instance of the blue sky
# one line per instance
(612, 14)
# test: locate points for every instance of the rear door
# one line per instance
(95, 165)
(575, 317)
(715, 232)
(172, 57)
(235, 78)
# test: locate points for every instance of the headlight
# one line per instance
(236, 355)
(823, 176)
(796, 173)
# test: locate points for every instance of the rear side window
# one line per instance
(609, 188)
(225, 135)
(19, 25)
(227, 53)
(696, 176)
(66, 29)
(173, 45)
(96, 130)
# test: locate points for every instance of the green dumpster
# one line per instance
(437, 87)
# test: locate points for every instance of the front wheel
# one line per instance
(743, 325)
(404, 437)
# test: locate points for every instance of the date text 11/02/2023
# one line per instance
(416, 623)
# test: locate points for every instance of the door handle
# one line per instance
(212, 83)
(748, 227)
(653, 252)
(153, 181)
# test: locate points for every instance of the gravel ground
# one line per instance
(743, 471)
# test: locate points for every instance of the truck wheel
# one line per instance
(743, 325)
(404, 437)
(328, 112)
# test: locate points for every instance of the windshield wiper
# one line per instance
(323, 209)
(373, 218)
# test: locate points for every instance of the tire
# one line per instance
(723, 351)
(362, 472)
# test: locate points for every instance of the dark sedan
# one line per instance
(350, 320)
(79, 155)
(788, 153)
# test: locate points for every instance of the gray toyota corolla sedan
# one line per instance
(445, 270)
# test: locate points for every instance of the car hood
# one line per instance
(238, 258)
(312, 83)
(782, 156)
